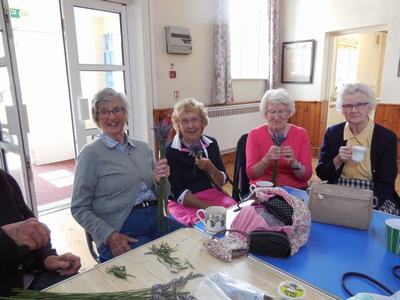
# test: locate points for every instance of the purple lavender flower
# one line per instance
(196, 150)
(161, 134)
(277, 138)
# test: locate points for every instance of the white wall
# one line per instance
(313, 19)
(194, 71)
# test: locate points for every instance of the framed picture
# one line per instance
(298, 61)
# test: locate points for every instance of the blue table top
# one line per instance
(333, 250)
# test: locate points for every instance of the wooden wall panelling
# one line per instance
(312, 115)
(388, 115)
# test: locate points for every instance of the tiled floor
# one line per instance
(68, 236)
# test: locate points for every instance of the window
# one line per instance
(249, 39)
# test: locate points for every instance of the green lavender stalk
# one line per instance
(161, 132)
(162, 207)
(163, 253)
(170, 290)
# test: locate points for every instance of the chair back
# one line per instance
(92, 247)
(241, 182)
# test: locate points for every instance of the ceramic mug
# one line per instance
(214, 218)
(261, 184)
(358, 153)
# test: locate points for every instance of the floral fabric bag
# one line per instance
(277, 226)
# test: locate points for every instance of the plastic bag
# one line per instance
(368, 296)
(220, 286)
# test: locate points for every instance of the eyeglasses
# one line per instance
(357, 105)
(194, 121)
(277, 112)
(118, 111)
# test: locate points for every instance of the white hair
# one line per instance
(278, 96)
(354, 88)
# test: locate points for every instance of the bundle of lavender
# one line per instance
(168, 291)
(278, 139)
(161, 132)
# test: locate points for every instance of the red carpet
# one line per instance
(53, 182)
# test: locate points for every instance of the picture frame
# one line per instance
(298, 61)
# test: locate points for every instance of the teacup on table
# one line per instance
(358, 153)
(213, 217)
(261, 184)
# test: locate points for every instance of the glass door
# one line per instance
(96, 47)
(14, 152)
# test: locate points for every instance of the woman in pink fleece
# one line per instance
(293, 155)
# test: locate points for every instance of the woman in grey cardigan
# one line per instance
(116, 183)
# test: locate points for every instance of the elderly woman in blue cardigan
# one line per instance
(116, 183)
(378, 170)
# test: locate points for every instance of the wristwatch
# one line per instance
(297, 167)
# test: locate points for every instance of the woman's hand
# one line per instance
(343, 156)
(161, 170)
(66, 264)
(119, 243)
(30, 232)
(274, 153)
(287, 153)
(205, 164)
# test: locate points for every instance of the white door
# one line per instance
(97, 56)
(14, 152)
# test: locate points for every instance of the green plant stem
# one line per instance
(167, 291)
(275, 172)
(162, 208)
(163, 253)
(119, 272)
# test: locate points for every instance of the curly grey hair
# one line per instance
(277, 96)
(188, 105)
(107, 95)
(354, 88)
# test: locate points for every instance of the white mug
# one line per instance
(214, 218)
(358, 153)
(261, 184)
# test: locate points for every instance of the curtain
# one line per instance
(222, 85)
(273, 44)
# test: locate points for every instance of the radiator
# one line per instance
(229, 122)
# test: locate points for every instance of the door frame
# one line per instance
(22, 149)
(74, 67)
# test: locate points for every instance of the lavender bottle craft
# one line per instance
(195, 150)
(161, 132)
(277, 138)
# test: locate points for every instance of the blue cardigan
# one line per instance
(383, 159)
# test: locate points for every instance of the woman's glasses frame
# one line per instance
(117, 112)
(357, 106)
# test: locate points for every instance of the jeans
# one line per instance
(141, 224)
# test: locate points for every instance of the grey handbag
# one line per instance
(341, 205)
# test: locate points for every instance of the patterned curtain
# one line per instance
(222, 87)
(273, 42)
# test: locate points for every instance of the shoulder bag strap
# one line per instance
(368, 278)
